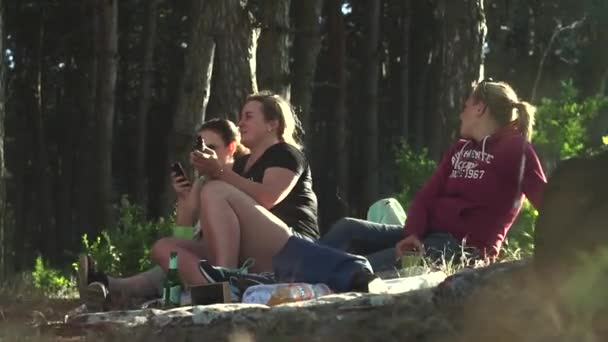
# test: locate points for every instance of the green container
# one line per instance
(411, 259)
(183, 232)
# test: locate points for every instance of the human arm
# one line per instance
(422, 204)
(187, 196)
(276, 185)
(283, 167)
(533, 180)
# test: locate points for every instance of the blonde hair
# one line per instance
(505, 107)
(275, 107)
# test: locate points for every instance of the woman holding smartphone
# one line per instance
(250, 209)
(221, 136)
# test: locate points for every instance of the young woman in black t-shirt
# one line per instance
(251, 210)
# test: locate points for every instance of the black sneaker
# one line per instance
(96, 297)
(88, 274)
(217, 274)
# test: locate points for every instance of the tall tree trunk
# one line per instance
(170, 81)
(370, 95)
(149, 35)
(273, 47)
(458, 64)
(107, 42)
(406, 22)
(306, 47)
(594, 69)
(47, 242)
(87, 161)
(234, 66)
(31, 163)
(337, 36)
(195, 85)
(4, 243)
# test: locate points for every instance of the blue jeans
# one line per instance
(377, 242)
(302, 260)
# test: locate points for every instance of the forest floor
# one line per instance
(24, 310)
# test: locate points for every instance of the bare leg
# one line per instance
(236, 227)
(189, 253)
(141, 285)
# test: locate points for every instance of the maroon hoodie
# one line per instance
(477, 191)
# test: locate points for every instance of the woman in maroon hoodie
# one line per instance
(474, 195)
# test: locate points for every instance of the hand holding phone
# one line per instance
(178, 170)
(180, 182)
(199, 145)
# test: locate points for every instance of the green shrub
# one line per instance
(125, 249)
(520, 238)
(415, 167)
(563, 125)
(50, 281)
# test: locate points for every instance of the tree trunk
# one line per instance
(29, 161)
(306, 47)
(195, 84)
(47, 238)
(234, 66)
(4, 243)
(406, 21)
(170, 80)
(107, 44)
(86, 160)
(594, 69)
(149, 34)
(370, 95)
(273, 47)
(458, 64)
(337, 37)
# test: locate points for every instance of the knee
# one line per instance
(213, 191)
(344, 225)
(160, 250)
(339, 231)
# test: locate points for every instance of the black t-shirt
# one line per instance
(299, 209)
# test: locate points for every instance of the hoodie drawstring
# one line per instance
(483, 147)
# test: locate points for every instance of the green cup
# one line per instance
(183, 232)
(410, 259)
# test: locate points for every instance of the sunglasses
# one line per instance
(483, 91)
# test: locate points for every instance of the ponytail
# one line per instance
(240, 150)
(525, 118)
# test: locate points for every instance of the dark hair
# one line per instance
(275, 107)
(502, 101)
(228, 131)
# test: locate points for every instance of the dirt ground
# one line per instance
(26, 318)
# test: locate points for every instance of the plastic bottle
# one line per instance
(275, 294)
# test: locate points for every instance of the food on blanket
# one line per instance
(276, 294)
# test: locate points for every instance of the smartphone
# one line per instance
(178, 169)
(199, 144)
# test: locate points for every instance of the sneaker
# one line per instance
(217, 274)
(239, 277)
(96, 297)
(88, 274)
